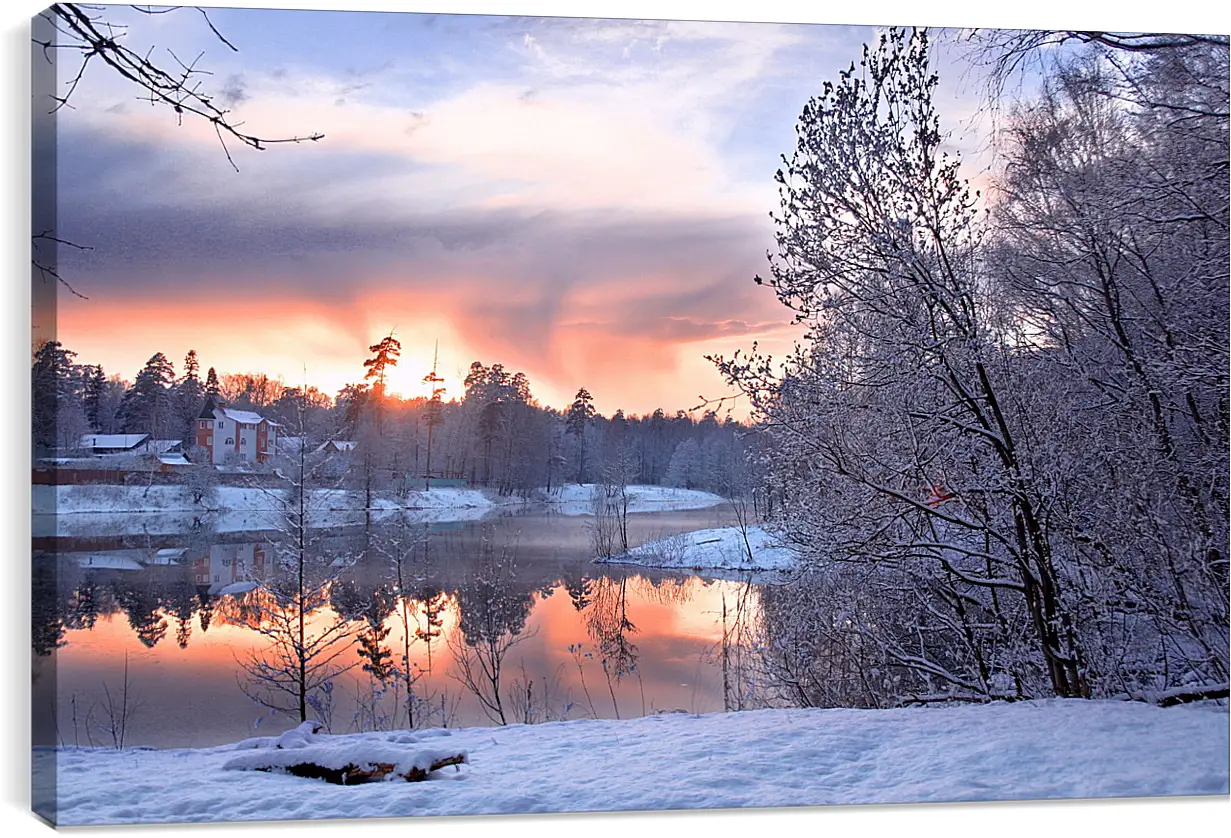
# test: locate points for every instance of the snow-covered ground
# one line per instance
(104, 510)
(714, 549)
(575, 499)
(1047, 749)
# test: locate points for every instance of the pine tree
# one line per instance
(386, 356)
(211, 384)
(149, 406)
(52, 385)
(95, 384)
(189, 394)
(580, 414)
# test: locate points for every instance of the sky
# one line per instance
(584, 200)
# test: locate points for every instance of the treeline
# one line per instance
(496, 434)
(1003, 447)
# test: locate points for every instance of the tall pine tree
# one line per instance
(580, 414)
(189, 396)
(149, 407)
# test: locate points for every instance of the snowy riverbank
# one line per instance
(93, 510)
(576, 499)
(1048, 749)
(105, 509)
(713, 549)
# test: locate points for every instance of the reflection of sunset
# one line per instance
(674, 632)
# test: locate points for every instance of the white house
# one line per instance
(231, 435)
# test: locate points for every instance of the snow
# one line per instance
(575, 499)
(1027, 750)
(110, 563)
(159, 509)
(713, 549)
(100, 509)
(112, 440)
(245, 417)
(303, 744)
(236, 588)
(169, 555)
(448, 498)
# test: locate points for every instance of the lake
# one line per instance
(506, 617)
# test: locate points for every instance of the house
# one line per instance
(104, 445)
(172, 463)
(114, 443)
(338, 446)
(224, 565)
(230, 435)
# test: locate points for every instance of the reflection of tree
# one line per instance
(205, 607)
(492, 615)
(46, 624)
(303, 656)
(141, 604)
(578, 588)
(181, 604)
(434, 601)
(302, 659)
(609, 625)
(347, 598)
(394, 546)
(83, 606)
(665, 590)
(377, 657)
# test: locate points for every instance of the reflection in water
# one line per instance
(418, 627)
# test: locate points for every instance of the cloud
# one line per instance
(583, 200)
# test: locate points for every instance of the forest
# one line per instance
(496, 435)
(1002, 446)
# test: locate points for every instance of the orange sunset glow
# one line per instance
(585, 205)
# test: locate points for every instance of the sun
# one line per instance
(406, 379)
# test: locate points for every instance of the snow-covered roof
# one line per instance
(173, 460)
(162, 446)
(340, 444)
(112, 440)
(246, 417)
(169, 555)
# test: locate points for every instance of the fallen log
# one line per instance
(354, 775)
(348, 763)
(1192, 694)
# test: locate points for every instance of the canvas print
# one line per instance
(443, 414)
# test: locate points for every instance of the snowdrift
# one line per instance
(1044, 749)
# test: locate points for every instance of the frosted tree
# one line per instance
(1112, 249)
(902, 387)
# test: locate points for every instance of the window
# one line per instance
(243, 440)
(243, 457)
(209, 440)
(230, 440)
